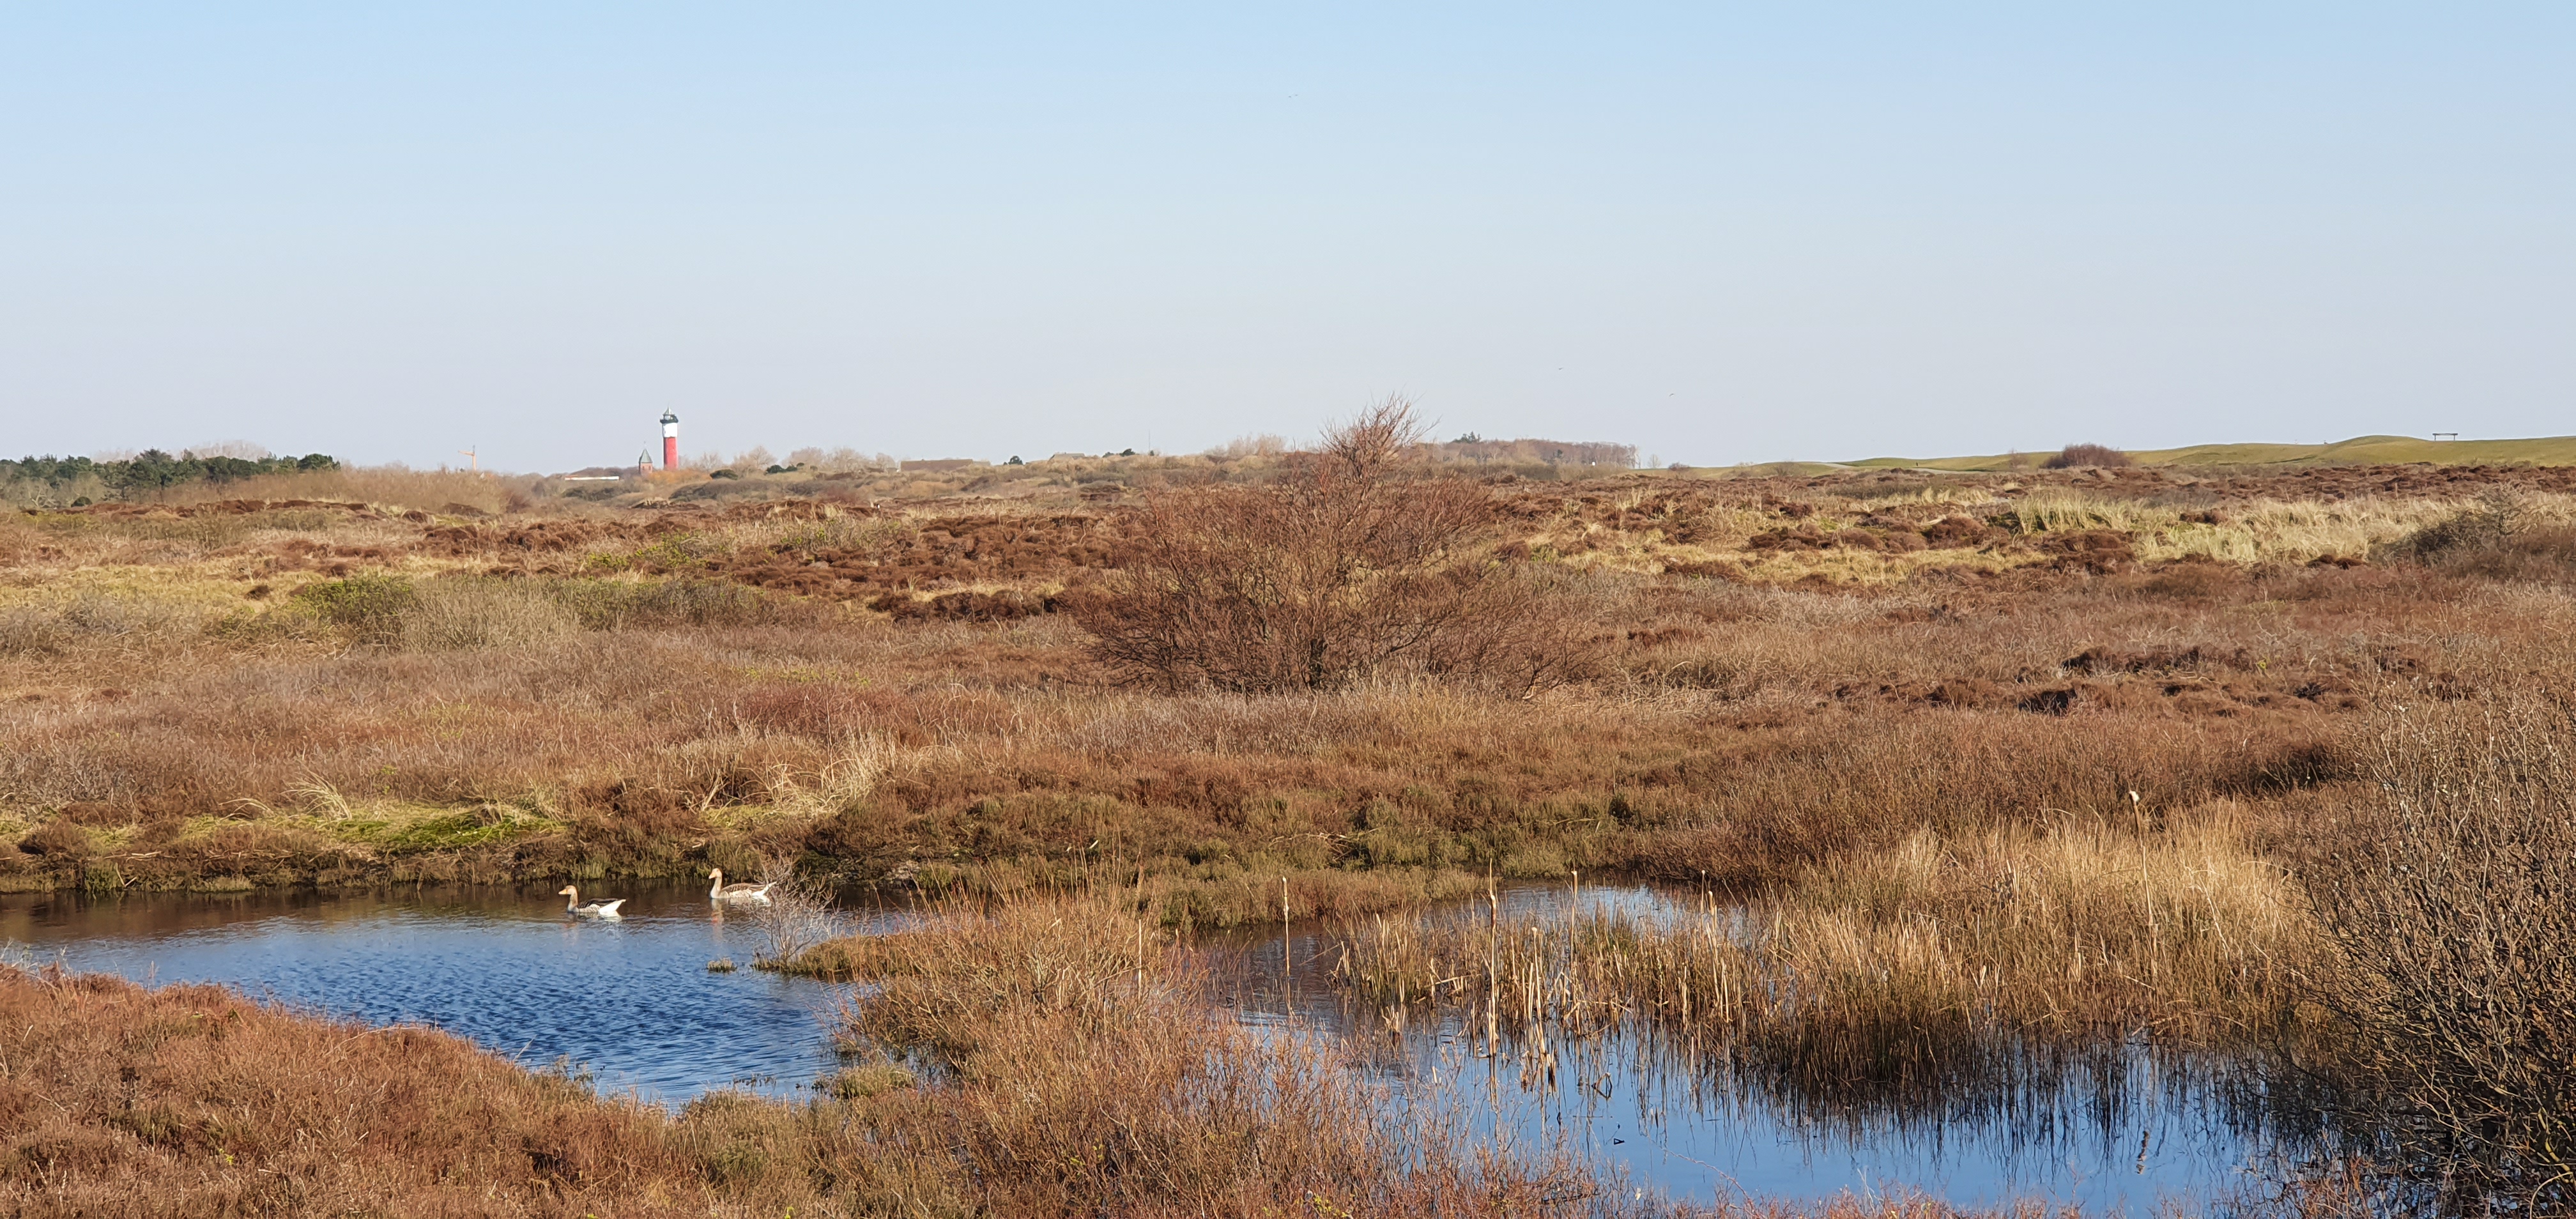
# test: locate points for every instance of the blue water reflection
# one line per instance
(2118, 1130)
(631, 1001)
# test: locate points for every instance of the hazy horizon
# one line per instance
(1720, 236)
(710, 459)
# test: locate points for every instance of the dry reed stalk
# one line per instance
(1905, 962)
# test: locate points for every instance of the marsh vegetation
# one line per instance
(2266, 763)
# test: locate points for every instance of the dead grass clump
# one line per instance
(613, 605)
(51, 630)
(2502, 535)
(940, 986)
(1004, 606)
(2083, 927)
(2542, 555)
(62, 838)
(454, 615)
(2448, 901)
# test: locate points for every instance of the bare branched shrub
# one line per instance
(248, 450)
(2451, 908)
(1528, 627)
(798, 915)
(1354, 561)
(2078, 456)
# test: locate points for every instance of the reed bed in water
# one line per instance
(193, 1101)
(1079, 1046)
(1078, 1050)
(1900, 967)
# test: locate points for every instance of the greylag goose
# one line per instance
(737, 893)
(572, 904)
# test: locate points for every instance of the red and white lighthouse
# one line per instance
(670, 441)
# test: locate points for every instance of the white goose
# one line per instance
(572, 904)
(723, 892)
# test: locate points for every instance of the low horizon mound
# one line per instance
(2359, 450)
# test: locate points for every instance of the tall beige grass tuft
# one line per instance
(1903, 966)
(849, 777)
(458, 615)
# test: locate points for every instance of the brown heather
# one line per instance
(281, 692)
(2045, 756)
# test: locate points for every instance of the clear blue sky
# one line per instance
(1723, 233)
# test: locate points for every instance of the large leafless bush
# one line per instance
(1356, 560)
(2452, 909)
(2083, 456)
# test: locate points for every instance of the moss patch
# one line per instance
(411, 832)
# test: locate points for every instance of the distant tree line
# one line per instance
(147, 471)
(1529, 450)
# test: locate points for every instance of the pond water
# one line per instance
(2120, 1130)
(633, 1003)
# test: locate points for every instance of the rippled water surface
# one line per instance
(634, 1003)
(631, 1000)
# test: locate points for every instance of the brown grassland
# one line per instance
(1954, 758)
